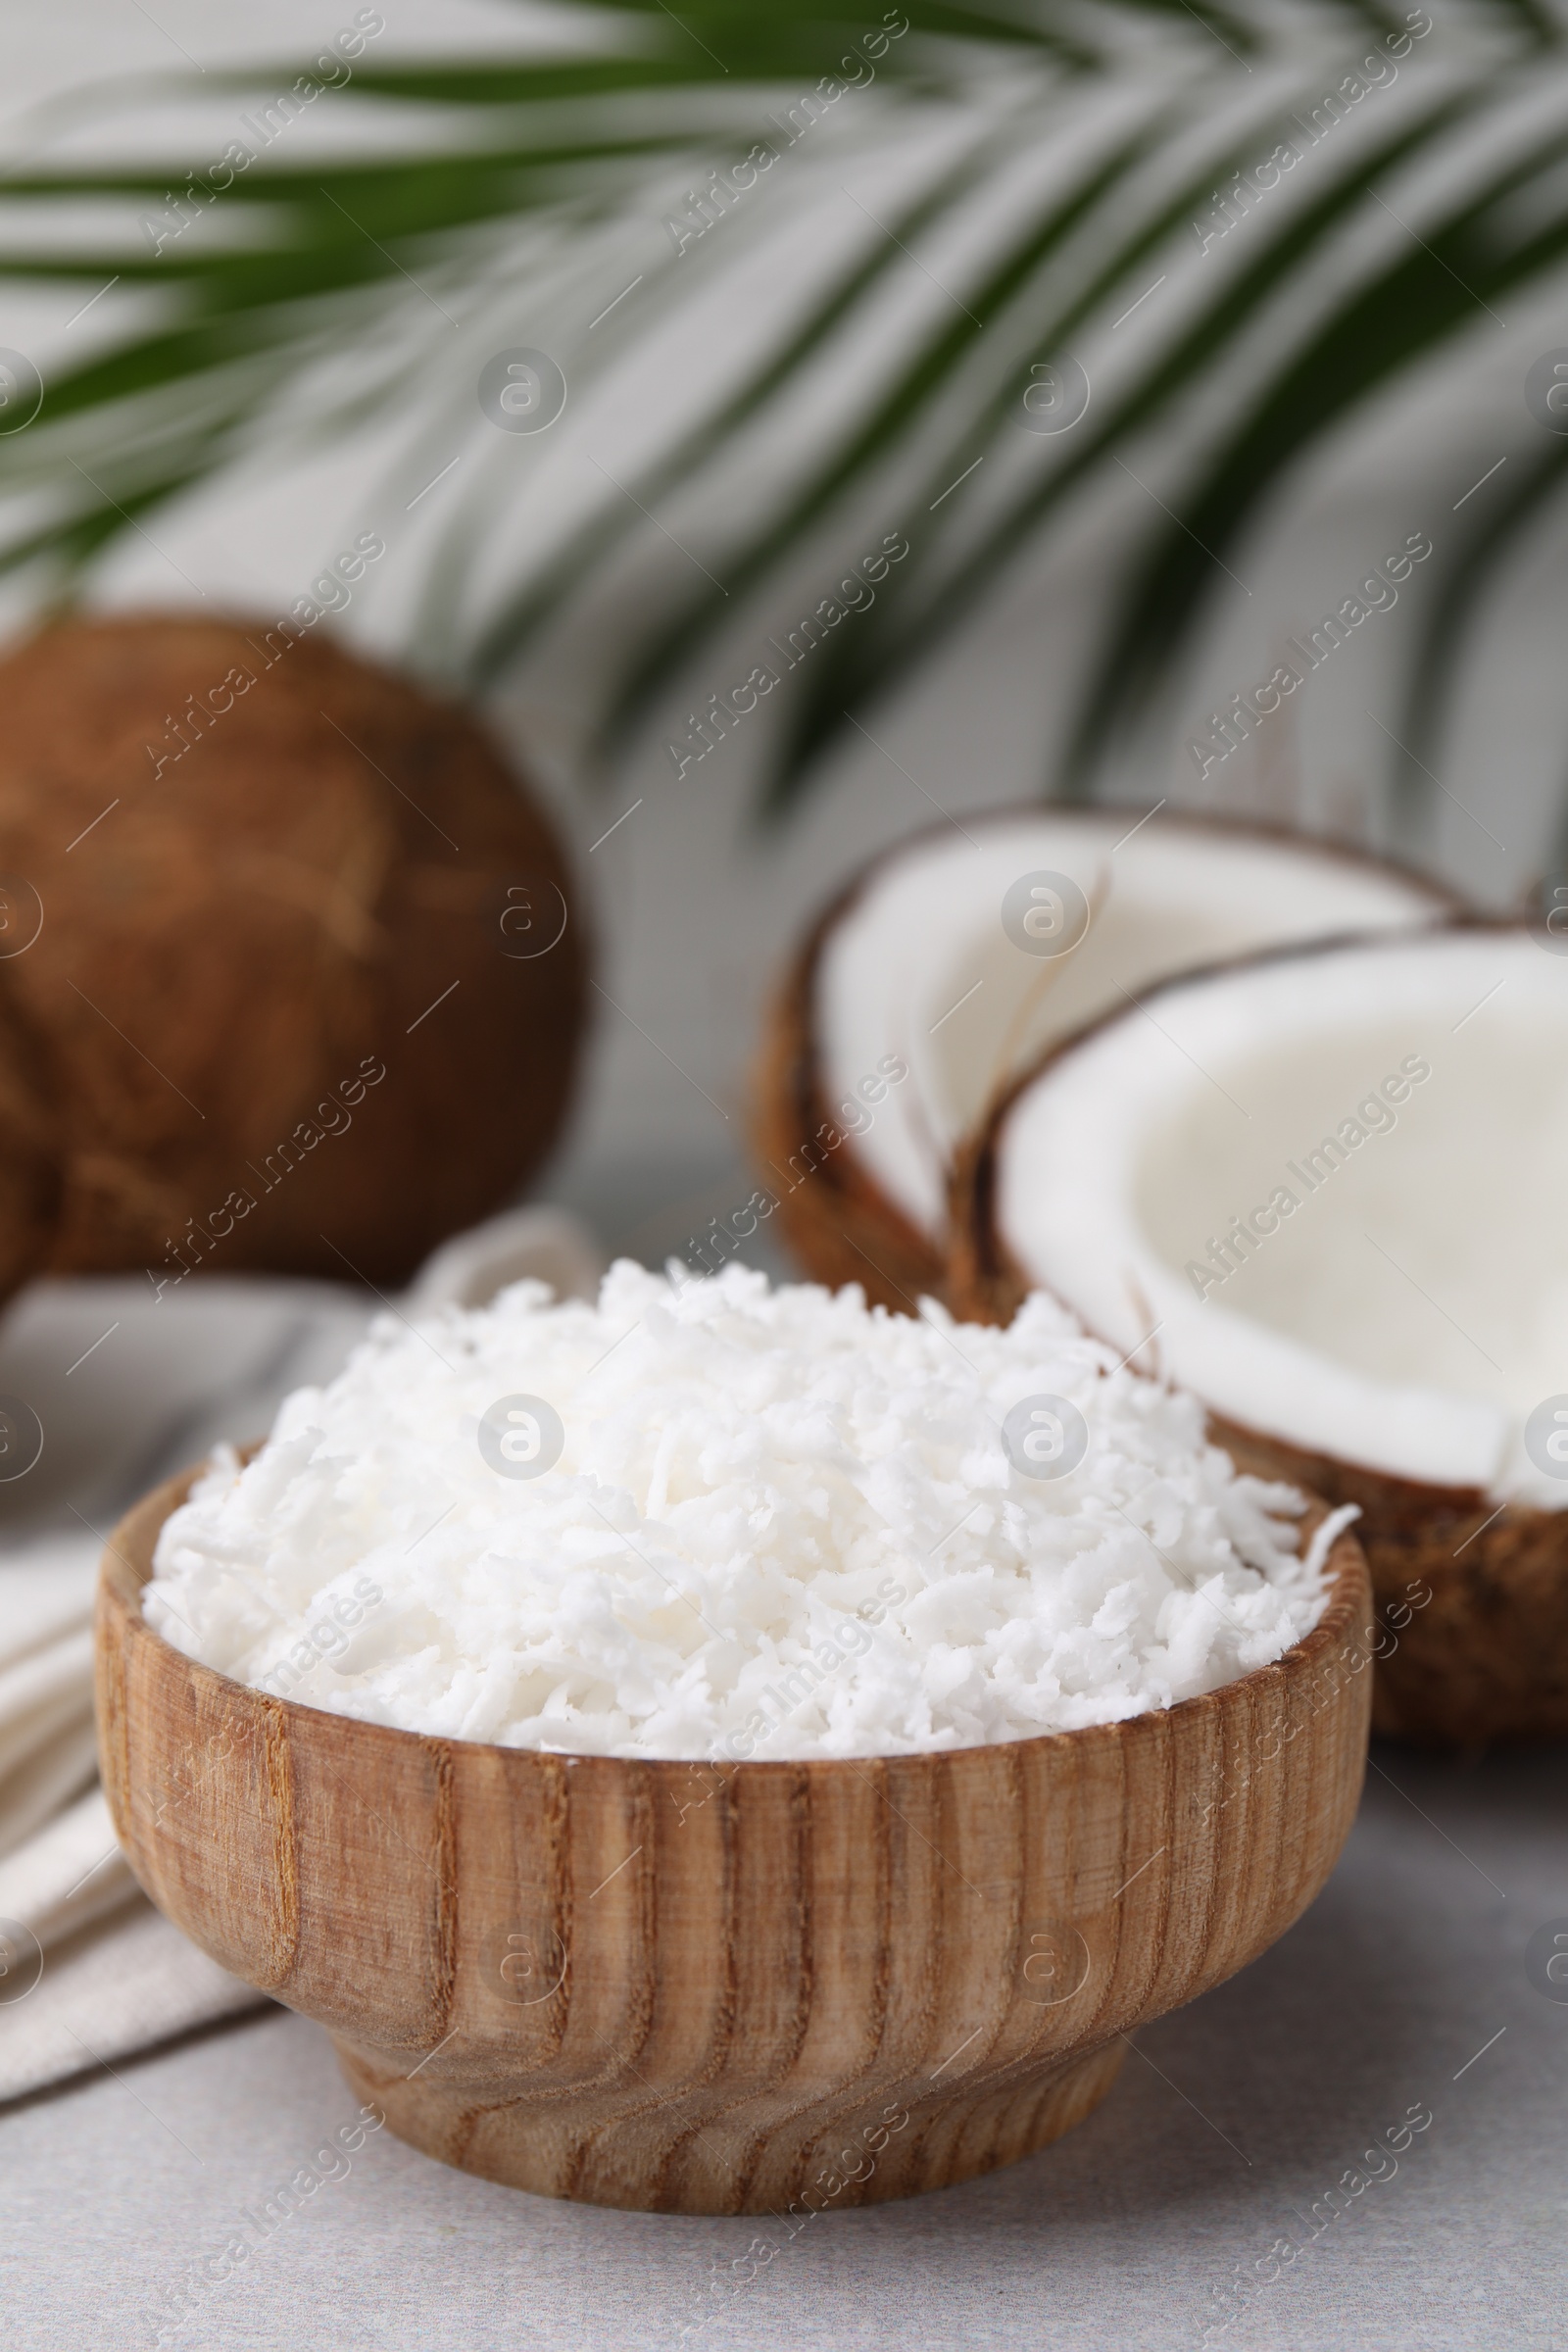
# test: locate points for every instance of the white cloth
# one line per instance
(94, 1970)
(47, 1752)
(88, 1970)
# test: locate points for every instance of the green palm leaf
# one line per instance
(520, 182)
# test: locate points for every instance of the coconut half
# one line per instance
(950, 963)
(1323, 1190)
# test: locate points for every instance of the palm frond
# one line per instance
(505, 182)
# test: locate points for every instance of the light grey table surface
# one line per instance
(1231, 2120)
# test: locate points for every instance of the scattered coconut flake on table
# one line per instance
(779, 1524)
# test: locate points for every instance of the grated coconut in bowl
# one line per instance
(711, 1518)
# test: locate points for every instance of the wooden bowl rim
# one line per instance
(121, 1575)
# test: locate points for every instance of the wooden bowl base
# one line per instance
(623, 2144)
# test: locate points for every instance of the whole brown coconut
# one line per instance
(30, 1175)
(304, 990)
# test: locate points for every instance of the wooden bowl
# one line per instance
(765, 1988)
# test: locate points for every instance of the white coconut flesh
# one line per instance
(919, 964)
(1337, 1249)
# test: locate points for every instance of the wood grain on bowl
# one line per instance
(763, 1987)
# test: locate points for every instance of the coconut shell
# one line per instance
(273, 1017)
(1473, 1616)
(1471, 1604)
(839, 1222)
(29, 1170)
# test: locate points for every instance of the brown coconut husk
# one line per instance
(1471, 1604)
(29, 1170)
(261, 861)
(1473, 1616)
(838, 1221)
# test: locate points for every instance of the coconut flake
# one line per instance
(780, 1524)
